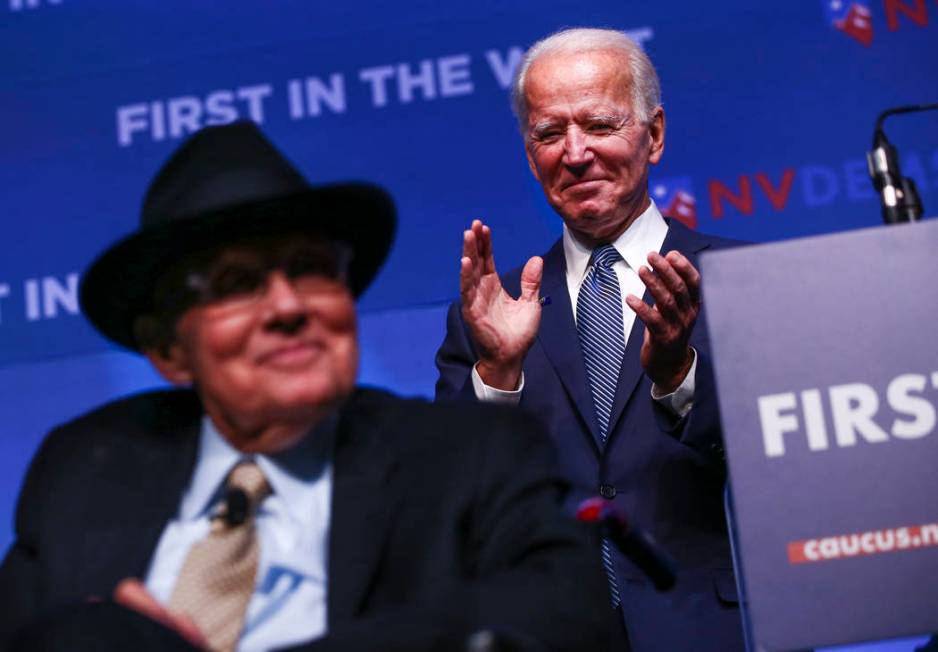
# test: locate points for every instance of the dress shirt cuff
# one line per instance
(488, 394)
(681, 400)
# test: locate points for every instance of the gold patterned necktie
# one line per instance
(217, 578)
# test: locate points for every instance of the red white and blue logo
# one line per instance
(852, 17)
(675, 199)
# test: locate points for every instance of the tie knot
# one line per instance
(249, 478)
(605, 256)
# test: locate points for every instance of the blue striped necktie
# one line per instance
(602, 340)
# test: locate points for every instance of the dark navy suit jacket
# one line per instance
(443, 523)
(667, 474)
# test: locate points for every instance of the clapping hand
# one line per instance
(501, 327)
(674, 283)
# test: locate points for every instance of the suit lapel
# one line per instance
(687, 242)
(558, 337)
(142, 483)
(630, 373)
(365, 496)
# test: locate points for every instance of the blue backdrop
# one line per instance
(770, 108)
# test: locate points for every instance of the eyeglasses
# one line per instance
(239, 276)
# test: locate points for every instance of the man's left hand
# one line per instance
(674, 284)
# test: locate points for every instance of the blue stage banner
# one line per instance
(769, 107)
(828, 386)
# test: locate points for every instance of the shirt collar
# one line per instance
(644, 235)
(291, 473)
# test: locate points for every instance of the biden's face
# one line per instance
(585, 143)
(270, 344)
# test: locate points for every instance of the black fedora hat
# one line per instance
(229, 183)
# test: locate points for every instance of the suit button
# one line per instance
(607, 491)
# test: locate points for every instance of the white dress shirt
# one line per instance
(288, 605)
(644, 235)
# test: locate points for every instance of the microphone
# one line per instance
(883, 163)
(236, 507)
(898, 195)
(631, 541)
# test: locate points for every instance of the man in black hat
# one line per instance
(271, 503)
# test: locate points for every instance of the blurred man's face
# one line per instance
(270, 342)
(585, 143)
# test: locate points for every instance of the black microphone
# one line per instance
(898, 195)
(631, 541)
(887, 178)
(236, 507)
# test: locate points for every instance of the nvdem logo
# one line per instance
(855, 17)
(675, 199)
(851, 17)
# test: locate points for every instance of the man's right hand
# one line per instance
(132, 594)
(502, 328)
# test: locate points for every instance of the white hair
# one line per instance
(645, 87)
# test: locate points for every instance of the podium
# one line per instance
(825, 352)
